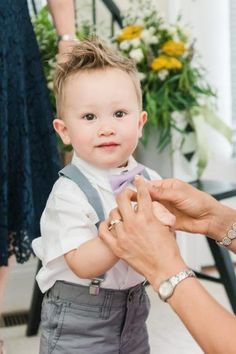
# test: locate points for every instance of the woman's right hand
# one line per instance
(195, 211)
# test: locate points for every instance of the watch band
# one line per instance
(167, 287)
(230, 236)
(176, 279)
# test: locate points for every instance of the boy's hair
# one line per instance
(92, 54)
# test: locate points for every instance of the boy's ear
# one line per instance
(142, 120)
(61, 129)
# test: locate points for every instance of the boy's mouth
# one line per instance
(108, 144)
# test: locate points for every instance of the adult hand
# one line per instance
(195, 211)
(163, 215)
(141, 239)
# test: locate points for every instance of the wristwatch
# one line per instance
(167, 287)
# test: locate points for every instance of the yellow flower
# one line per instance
(130, 32)
(173, 48)
(164, 62)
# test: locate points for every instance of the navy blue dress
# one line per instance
(28, 153)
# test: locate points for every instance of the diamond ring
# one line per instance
(114, 222)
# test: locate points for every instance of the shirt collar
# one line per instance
(98, 175)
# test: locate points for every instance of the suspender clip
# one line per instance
(94, 287)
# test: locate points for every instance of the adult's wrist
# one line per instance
(162, 274)
(168, 286)
(67, 37)
(221, 222)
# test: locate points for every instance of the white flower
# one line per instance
(148, 37)
(154, 40)
(152, 30)
(125, 45)
(202, 100)
(135, 42)
(187, 33)
(162, 74)
(179, 118)
(172, 31)
(164, 26)
(189, 144)
(137, 55)
(145, 35)
(175, 37)
(142, 76)
(52, 63)
(50, 85)
(147, 12)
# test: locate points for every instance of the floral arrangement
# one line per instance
(178, 100)
(175, 94)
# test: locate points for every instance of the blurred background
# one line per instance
(207, 29)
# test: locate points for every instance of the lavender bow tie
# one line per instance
(119, 182)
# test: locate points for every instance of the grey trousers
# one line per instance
(113, 322)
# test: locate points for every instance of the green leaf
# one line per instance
(215, 122)
(202, 148)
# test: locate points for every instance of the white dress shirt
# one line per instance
(69, 220)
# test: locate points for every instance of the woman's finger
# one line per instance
(169, 190)
(144, 200)
(124, 203)
(163, 215)
(108, 237)
(114, 214)
(114, 220)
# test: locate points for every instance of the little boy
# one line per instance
(94, 303)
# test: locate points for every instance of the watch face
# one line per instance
(165, 290)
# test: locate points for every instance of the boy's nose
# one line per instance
(106, 130)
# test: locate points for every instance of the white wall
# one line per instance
(208, 21)
(209, 24)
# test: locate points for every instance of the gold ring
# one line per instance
(114, 222)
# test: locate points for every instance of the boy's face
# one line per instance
(101, 116)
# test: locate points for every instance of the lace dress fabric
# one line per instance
(29, 159)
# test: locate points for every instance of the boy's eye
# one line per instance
(119, 114)
(89, 116)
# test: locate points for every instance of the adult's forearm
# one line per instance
(63, 14)
(91, 259)
(208, 322)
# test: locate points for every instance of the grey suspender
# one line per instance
(146, 175)
(73, 173)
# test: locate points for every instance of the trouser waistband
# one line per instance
(79, 294)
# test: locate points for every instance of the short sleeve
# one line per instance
(67, 221)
